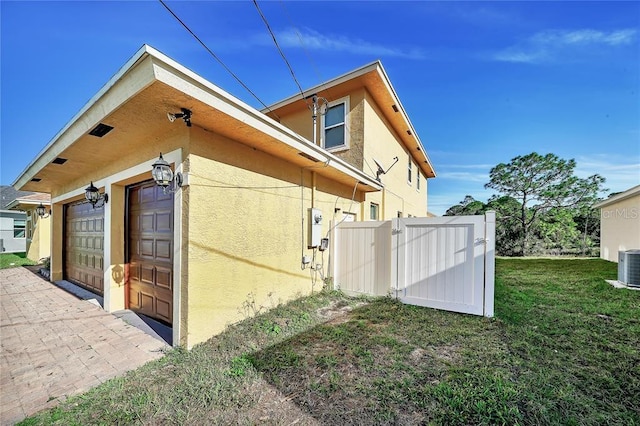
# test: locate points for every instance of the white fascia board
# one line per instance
(27, 173)
(387, 81)
(618, 197)
(18, 201)
(12, 204)
(201, 89)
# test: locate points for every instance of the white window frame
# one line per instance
(22, 228)
(377, 208)
(345, 123)
(349, 217)
(418, 178)
(409, 169)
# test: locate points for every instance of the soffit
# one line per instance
(143, 120)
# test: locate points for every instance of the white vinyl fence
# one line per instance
(442, 262)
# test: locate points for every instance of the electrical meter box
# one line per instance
(315, 227)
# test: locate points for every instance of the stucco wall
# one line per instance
(246, 235)
(371, 136)
(383, 144)
(39, 245)
(355, 127)
(619, 227)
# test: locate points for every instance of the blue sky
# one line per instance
(482, 82)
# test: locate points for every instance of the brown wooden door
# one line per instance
(84, 250)
(150, 250)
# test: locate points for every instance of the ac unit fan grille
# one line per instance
(629, 267)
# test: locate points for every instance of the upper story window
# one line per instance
(373, 212)
(418, 178)
(409, 170)
(335, 135)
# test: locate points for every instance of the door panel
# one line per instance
(150, 250)
(441, 262)
(84, 252)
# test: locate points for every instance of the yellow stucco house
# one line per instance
(245, 198)
(37, 229)
(619, 223)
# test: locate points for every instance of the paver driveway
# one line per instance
(54, 345)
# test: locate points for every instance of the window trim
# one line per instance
(352, 216)
(418, 178)
(347, 142)
(23, 228)
(377, 209)
(409, 169)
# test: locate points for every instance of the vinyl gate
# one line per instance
(444, 262)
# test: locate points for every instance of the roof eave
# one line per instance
(631, 192)
(373, 66)
(282, 133)
(28, 173)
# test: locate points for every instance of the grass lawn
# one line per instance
(12, 260)
(563, 349)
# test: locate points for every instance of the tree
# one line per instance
(468, 206)
(540, 183)
(508, 235)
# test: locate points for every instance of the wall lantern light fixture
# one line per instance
(164, 176)
(94, 197)
(42, 211)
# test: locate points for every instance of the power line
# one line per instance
(273, 36)
(304, 47)
(215, 56)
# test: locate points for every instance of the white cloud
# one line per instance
(465, 172)
(469, 166)
(314, 40)
(559, 37)
(511, 55)
(464, 176)
(548, 45)
(620, 173)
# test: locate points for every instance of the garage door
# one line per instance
(84, 249)
(150, 251)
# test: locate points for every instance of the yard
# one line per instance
(563, 349)
(12, 260)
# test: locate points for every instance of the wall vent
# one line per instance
(100, 130)
(629, 267)
(36, 180)
(59, 160)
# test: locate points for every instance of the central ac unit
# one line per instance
(629, 267)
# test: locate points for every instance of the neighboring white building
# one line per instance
(619, 223)
(13, 228)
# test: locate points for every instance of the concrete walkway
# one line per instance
(54, 345)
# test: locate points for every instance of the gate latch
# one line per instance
(482, 240)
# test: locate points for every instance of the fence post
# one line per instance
(489, 262)
(333, 258)
(395, 225)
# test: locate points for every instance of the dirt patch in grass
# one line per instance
(447, 353)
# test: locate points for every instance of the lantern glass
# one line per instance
(41, 210)
(91, 194)
(162, 173)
